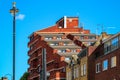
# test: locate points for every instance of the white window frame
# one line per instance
(114, 43)
(107, 47)
(98, 68)
(77, 72)
(113, 64)
(84, 69)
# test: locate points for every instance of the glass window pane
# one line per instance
(97, 67)
(84, 69)
(81, 70)
(105, 65)
(113, 61)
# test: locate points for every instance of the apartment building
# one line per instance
(107, 62)
(61, 41)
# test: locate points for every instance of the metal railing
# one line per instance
(112, 47)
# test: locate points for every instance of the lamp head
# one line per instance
(14, 4)
(14, 10)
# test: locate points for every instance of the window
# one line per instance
(105, 65)
(83, 69)
(92, 37)
(59, 38)
(31, 37)
(63, 51)
(114, 43)
(59, 51)
(52, 44)
(69, 75)
(113, 61)
(82, 37)
(46, 38)
(74, 72)
(77, 72)
(97, 67)
(107, 47)
(63, 70)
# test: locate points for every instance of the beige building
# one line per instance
(77, 68)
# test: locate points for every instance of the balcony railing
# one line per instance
(35, 48)
(33, 75)
(88, 40)
(57, 40)
(68, 53)
(34, 56)
(33, 41)
(63, 47)
(112, 47)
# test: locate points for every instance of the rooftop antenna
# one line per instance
(81, 25)
(102, 27)
(96, 30)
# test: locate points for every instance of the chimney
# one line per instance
(65, 20)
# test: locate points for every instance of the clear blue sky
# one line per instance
(38, 14)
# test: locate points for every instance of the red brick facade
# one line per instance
(100, 62)
(60, 42)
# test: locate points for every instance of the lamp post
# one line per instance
(13, 11)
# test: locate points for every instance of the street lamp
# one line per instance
(13, 11)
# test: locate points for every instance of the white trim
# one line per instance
(39, 54)
(65, 22)
(49, 61)
(34, 76)
(34, 50)
(56, 69)
(32, 42)
(98, 67)
(32, 58)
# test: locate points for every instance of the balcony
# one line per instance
(33, 41)
(34, 56)
(65, 46)
(35, 48)
(33, 75)
(111, 47)
(84, 34)
(57, 40)
(67, 54)
(88, 40)
(34, 65)
(33, 68)
(51, 66)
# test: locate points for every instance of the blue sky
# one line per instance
(38, 14)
